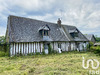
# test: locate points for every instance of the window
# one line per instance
(44, 30)
(74, 34)
(45, 33)
(59, 45)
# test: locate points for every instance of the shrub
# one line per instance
(2, 54)
(95, 49)
(50, 49)
(91, 44)
(37, 53)
(88, 47)
(43, 52)
(54, 51)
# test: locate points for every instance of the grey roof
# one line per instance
(80, 37)
(97, 44)
(44, 28)
(73, 30)
(46, 38)
(89, 36)
(22, 29)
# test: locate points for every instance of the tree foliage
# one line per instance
(4, 47)
(98, 39)
(2, 40)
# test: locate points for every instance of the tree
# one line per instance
(97, 38)
(2, 40)
(3, 45)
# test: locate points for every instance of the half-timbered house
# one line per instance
(27, 35)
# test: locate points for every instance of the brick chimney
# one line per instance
(59, 22)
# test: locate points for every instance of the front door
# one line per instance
(46, 47)
(77, 46)
(69, 47)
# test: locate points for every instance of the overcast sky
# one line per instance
(84, 14)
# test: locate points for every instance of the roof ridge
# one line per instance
(38, 20)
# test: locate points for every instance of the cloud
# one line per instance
(2, 31)
(30, 5)
(44, 17)
(84, 14)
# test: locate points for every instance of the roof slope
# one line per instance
(27, 30)
(80, 37)
(89, 36)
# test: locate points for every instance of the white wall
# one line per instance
(67, 44)
(25, 48)
(64, 45)
(82, 46)
(73, 46)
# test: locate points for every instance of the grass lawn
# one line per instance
(68, 63)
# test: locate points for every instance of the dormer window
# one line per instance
(44, 30)
(74, 33)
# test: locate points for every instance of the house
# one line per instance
(91, 37)
(27, 35)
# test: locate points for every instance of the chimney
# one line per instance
(59, 22)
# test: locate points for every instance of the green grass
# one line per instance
(68, 63)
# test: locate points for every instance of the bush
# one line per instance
(50, 49)
(95, 49)
(43, 52)
(37, 53)
(91, 44)
(2, 54)
(54, 51)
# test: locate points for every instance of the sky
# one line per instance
(84, 14)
